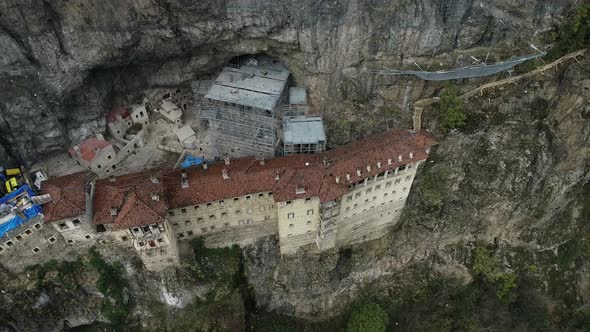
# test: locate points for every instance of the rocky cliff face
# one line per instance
(517, 176)
(513, 177)
(63, 61)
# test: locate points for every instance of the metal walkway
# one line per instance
(464, 72)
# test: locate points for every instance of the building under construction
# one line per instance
(242, 109)
(302, 134)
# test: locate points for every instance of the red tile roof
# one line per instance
(117, 110)
(88, 148)
(316, 173)
(131, 196)
(68, 198)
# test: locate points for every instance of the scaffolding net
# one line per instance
(464, 72)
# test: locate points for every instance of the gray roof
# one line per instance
(251, 86)
(201, 87)
(304, 130)
(297, 96)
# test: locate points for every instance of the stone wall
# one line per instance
(255, 214)
(298, 223)
(373, 206)
(35, 242)
(75, 230)
(364, 214)
(156, 246)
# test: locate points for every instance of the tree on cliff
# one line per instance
(451, 108)
(368, 318)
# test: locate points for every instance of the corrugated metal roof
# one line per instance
(250, 86)
(297, 96)
(304, 130)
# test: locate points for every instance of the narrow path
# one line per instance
(420, 104)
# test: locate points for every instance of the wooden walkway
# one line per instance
(420, 104)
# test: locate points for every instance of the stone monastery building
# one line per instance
(339, 197)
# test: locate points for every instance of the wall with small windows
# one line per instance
(32, 243)
(298, 223)
(155, 245)
(374, 205)
(76, 229)
(103, 162)
(237, 220)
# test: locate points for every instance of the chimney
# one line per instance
(368, 168)
(411, 155)
(226, 160)
(100, 137)
(205, 166)
(114, 211)
(154, 179)
(337, 179)
(77, 149)
(389, 161)
(399, 158)
(155, 197)
(262, 162)
(184, 180)
(300, 190)
(277, 177)
(428, 151)
(378, 164)
(112, 179)
(347, 177)
(358, 172)
(225, 174)
(89, 195)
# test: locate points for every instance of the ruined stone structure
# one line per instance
(96, 154)
(343, 196)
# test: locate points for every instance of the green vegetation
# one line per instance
(586, 201)
(263, 321)
(573, 35)
(219, 265)
(486, 265)
(72, 275)
(369, 317)
(433, 185)
(68, 273)
(451, 108)
(111, 283)
(135, 128)
(219, 270)
(572, 250)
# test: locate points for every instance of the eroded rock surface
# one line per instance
(62, 61)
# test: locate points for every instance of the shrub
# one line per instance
(486, 265)
(216, 264)
(505, 287)
(433, 186)
(115, 305)
(574, 34)
(451, 108)
(369, 317)
(571, 36)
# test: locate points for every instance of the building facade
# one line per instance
(316, 202)
(95, 154)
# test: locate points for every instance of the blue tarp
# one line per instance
(29, 213)
(190, 160)
(10, 225)
(18, 192)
